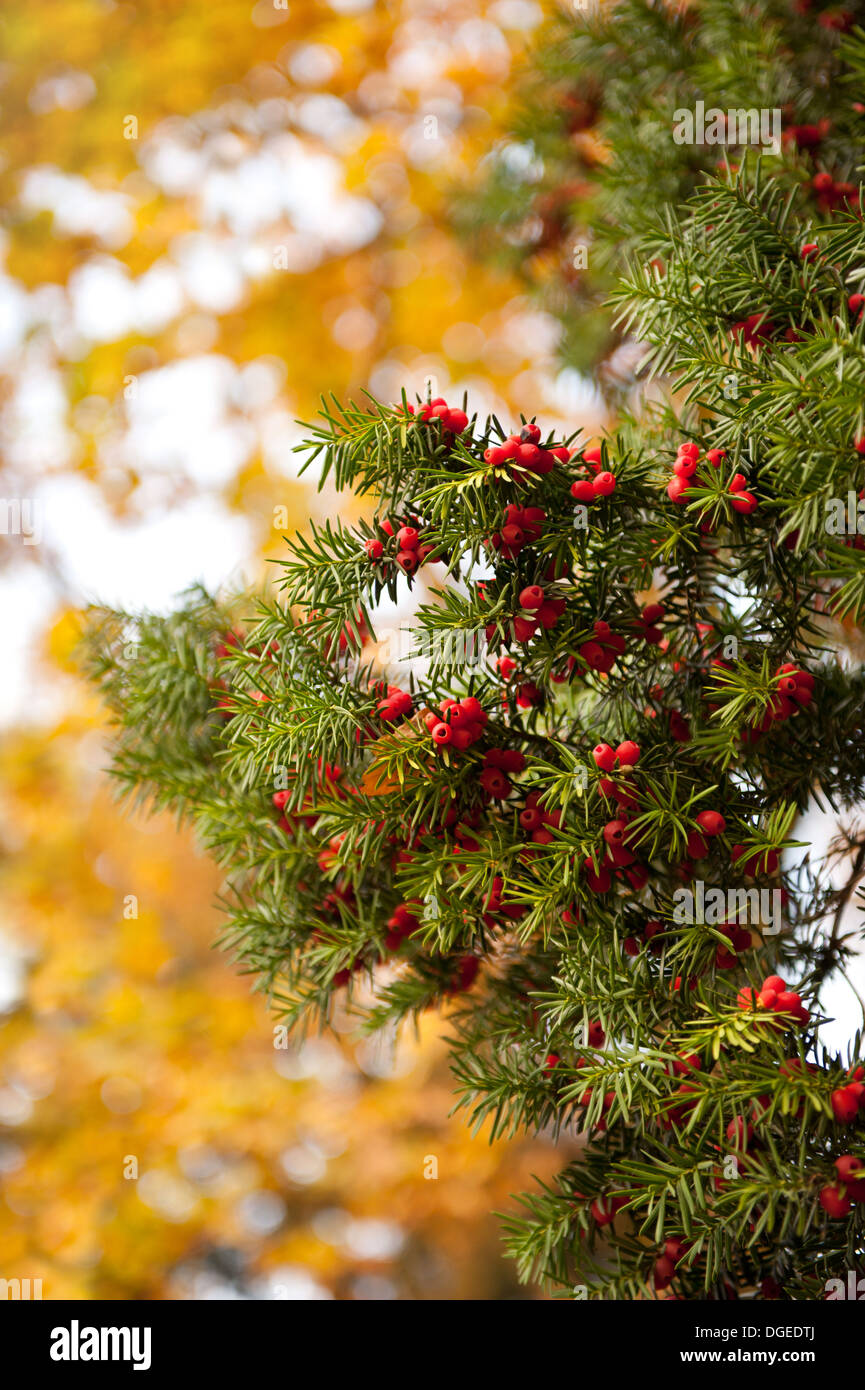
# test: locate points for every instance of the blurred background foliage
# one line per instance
(212, 212)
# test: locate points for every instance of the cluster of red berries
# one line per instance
(605, 1209)
(410, 553)
(837, 1200)
(453, 421)
(849, 1100)
(538, 611)
(685, 467)
(832, 194)
(527, 695)
(329, 777)
(647, 623)
(601, 652)
(402, 922)
(601, 484)
(740, 940)
(755, 863)
(494, 907)
(806, 137)
(538, 823)
(664, 1271)
(458, 724)
(394, 704)
(522, 453)
(522, 526)
(711, 823)
(795, 689)
(631, 944)
(617, 855)
(606, 758)
(775, 997)
(498, 762)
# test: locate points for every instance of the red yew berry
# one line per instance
(676, 487)
(835, 1202)
(374, 548)
(697, 846)
(664, 1272)
(524, 628)
(604, 1209)
(495, 783)
(711, 823)
(604, 484)
(551, 1062)
(599, 882)
(582, 490)
(688, 451)
(408, 538)
(532, 597)
(627, 754)
(845, 1105)
(604, 757)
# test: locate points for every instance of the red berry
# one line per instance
(744, 502)
(583, 491)
(627, 754)
(834, 1202)
(374, 548)
(407, 560)
(664, 1272)
(711, 823)
(532, 597)
(849, 1168)
(524, 628)
(675, 488)
(604, 756)
(494, 782)
(604, 484)
(408, 538)
(442, 734)
(845, 1105)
